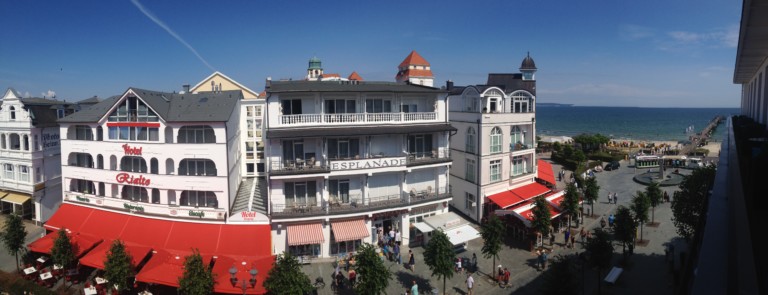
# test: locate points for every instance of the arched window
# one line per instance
(471, 140)
(169, 166)
(102, 189)
(82, 186)
(99, 134)
(155, 196)
(168, 134)
(100, 162)
(198, 199)
(112, 162)
(517, 139)
(14, 141)
(496, 140)
(133, 164)
(196, 134)
(81, 160)
(171, 197)
(153, 166)
(522, 102)
(25, 142)
(12, 110)
(135, 193)
(197, 167)
(80, 132)
(2, 141)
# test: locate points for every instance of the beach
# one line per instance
(624, 144)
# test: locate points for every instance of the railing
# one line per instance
(520, 146)
(298, 166)
(357, 203)
(347, 118)
(432, 157)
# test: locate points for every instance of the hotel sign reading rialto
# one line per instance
(367, 163)
(130, 179)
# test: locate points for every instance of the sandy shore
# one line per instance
(624, 144)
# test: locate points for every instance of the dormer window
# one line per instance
(13, 112)
(132, 109)
(60, 113)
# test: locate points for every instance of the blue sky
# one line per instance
(654, 53)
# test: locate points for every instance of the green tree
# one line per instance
(13, 235)
(118, 267)
(542, 218)
(625, 228)
(62, 252)
(579, 157)
(557, 147)
(493, 232)
(654, 193)
(439, 256)
(374, 276)
(600, 254)
(198, 279)
(286, 277)
(640, 205)
(570, 203)
(561, 278)
(690, 201)
(591, 191)
(567, 151)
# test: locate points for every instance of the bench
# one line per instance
(613, 275)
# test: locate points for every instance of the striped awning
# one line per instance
(349, 230)
(16, 198)
(305, 234)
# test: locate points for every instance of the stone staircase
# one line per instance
(251, 194)
(259, 203)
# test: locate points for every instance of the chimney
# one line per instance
(449, 85)
(186, 88)
(268, 83)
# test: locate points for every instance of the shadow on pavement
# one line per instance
(406, 279)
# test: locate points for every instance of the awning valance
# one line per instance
(305, 234)
(16, 198)
(350, 230)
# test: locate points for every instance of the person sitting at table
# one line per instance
(352, 277)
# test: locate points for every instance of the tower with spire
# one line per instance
(315, 69)
(528, 69)
(415, 70)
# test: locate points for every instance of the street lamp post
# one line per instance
(245, 283)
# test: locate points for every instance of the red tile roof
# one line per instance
(355, 77)
(413, 59)
(414, 73)
(330, 76)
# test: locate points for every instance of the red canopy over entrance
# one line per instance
(98, 255)
(518, 195)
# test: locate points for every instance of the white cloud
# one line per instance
(635, 32)
(728, 37)
(48, 94)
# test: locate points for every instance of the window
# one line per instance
(518, 165)
(340, 106)
(2, 141)
(60, 113)
(293, 150)
(249, 111)
(25, 142)
(343, 148)
(495, 170)
(14, 141)
(81, 160)
(378, 106)
(199, 199)
(196, 134)
(134, 133)
(197, 167)
(339, 190)
(469, 174)
(23, 173)
(249, 168)
(8, 172)
(133, 164)
(469, 200)
(153, 166)
(408, 108)
(249, 128)
(132, 109)
(249, 150)
(300, 192)
(420, 146)
(516, 136)
(291, 106)
(155, 196)
(471, 140)
(258, 111)
(35, 143)
(522, 102)
(38, 175)
(496, 140)
(135, 193)
(81, 186)
(13, 113)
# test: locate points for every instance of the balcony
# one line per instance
(355, 118)
(425, 158)
(298, 166)
(516, 147)
(358, 204)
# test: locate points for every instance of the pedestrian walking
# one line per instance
(414, 288)
(602, 222)
(544, 259)
(573, 240)
(582, 235)
(539, 260)
(470, 284)
(610, 220)
(567, 236)
(411, 261)
(474, 262)
(397, 254)
(552, 239)
(609, 197)
(615, 198)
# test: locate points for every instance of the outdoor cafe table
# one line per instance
(90, 290)
(45, 275)
(57, 267)
(30, 270)
(100, 280)
(42, 259)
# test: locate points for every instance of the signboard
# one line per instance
(367, 163)
(50, 139)
(131, 151)
(130, 179)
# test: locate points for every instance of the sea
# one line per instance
(672, 124)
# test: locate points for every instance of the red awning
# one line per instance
(305, 234)
(517, 195)
(185, 236)
(164, 268)
(350, 230)
(105, 224)
(224, 263)
(81, 243)
(69, 216)
(546, 172)
(528, 214)
(44, 244)
(98, 255)
(245, 240)
(136, 231)
(505, 199)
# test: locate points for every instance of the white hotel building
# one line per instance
(345, 157)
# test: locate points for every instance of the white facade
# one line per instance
(251, 124)
(30, 176)
(377, 153)
(134, 156)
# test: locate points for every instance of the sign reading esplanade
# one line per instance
(367, 163)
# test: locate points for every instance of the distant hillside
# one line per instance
(551, 104)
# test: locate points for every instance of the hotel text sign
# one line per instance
(129, 179)
(367, 163)
(131, 151)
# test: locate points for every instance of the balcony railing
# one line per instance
(355, 118)
(432, 157)
(298, 166)
(357, 203)
(514, 147)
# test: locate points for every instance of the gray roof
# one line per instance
(357, 131)
(347, 86)
(171, 107)
(508, 82)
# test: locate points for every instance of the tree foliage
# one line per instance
(557, 147)
(591, 191)
(640, 205)
(439, 256)
(579, 157)
(493, 232)
(62, 252)
(600, 253)
(562, 277)
(198, 279)
(591, 142)
(570, 203)
(286, 277)
(689, 202)
(625, 227)
(117, 266)
(542, 218)
(654, 193)
(373, 275)
(13, 235)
